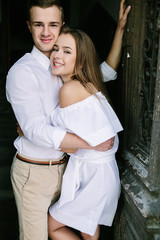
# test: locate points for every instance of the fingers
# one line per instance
(127, 11)
(105, 146)
(122, 8)
(19, 131)
(123, 12)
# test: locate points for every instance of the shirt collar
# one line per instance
(41, 58)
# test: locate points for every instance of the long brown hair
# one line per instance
(87, 66)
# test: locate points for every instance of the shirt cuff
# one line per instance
(60, 134)
(108, 72)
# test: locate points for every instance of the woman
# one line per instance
(91, 185)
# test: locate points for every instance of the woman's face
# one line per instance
(63, 57)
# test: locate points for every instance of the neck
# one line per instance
(66, 79)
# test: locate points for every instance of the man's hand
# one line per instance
(105, 146)
(72, 141)
(19, 130)
(68, 150)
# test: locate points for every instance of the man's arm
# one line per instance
(114, 55)
(72, 141)
(22, 91)
(80, 138)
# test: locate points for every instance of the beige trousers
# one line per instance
(35, 188)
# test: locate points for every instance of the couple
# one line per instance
(33, 91)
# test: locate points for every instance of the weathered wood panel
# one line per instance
(139, 211)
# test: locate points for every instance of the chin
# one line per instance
(55, 72)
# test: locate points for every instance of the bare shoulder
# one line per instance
(72, 92)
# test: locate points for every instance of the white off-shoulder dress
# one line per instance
(91, 184)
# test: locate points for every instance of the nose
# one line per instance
(55, 55)
(58, 54)
(45, 31)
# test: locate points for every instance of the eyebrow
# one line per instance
(55, 45)
(58, 23)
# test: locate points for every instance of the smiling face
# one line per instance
(63, 57)
(44, 25)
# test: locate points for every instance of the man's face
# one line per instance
(44, 25)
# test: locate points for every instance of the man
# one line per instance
(33, 93)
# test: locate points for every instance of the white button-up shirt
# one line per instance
(33, 91)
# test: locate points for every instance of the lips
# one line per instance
(57, 64)
(46, 40)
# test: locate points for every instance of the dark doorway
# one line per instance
(15, 42)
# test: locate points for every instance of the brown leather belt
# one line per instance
(49, 163)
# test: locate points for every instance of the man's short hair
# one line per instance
(43, 4)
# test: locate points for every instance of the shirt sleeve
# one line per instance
(88, 122)
(23, 94)
(108, 72)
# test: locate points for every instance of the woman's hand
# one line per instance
(123, 14)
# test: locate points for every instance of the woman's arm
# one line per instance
(114, 55)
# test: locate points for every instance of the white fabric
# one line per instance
(92, 119)
(91, 185)
(108, 72)
(33, 93)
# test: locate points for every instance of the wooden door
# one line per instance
(138, 215)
